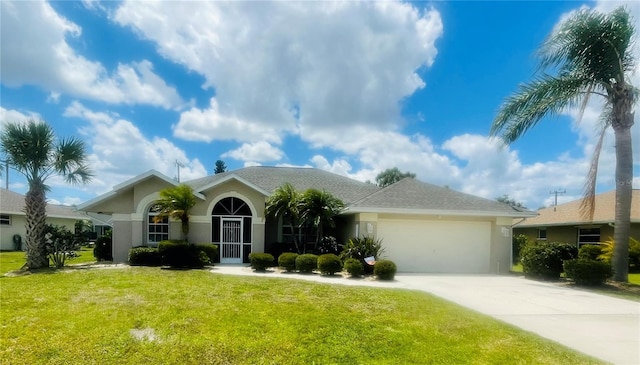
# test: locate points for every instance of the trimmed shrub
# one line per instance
(181, 254)
(145, 256)
(589, 252)
(385, 269)
(261, 261)
(544, 259)
(518, 242)
(353, 267)
(360, 247)
(306, 263)
(210, 250)
(102, 251)
(287, 261)
(587, 272)
(329, 264)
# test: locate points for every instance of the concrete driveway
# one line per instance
(601, 326)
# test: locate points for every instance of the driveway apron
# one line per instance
(604, 327)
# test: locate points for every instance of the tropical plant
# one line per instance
(284, 204)
(318, 208)
(608, 248)
(32, 149)
(392, 175)
(360, 248)
(61, 244)
(593, 55)
(175, 202)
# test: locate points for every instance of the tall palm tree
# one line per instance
(175, 203)
(318, 208)
(592, 53)
(33, 150)
(284, 204)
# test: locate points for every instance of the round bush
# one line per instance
(261, 261)
(181, 254)
(210, 251)
(544, 259)
(354, 267)
(287, 261)
(385, 269)
(589, 252)
(587, 272)
(306, 263)
(329, 264)
(144, 256)
(103, 249)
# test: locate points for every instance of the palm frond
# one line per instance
(588, 203)
(546, 95)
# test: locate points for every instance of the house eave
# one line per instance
(445, 212)
(237, 178)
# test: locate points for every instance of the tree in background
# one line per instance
(592, 54)
(33, 150)
(176, 202)
(392, 175)
(507, 200)
(220, 167)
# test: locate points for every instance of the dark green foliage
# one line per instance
(544, 259)
(518, 243)
(261, 261)
(353, 267)
(329, 264)
(588, 272)
(181, 254)
(589, 252)
(306, 263)
(360, 247)
(103, 249)
(145, 256)
(287, 261)
(385, 269)
(60, 244)
(210, 250)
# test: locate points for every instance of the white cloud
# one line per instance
(278, 67)
(10, 115)
(258, 152)
(120, 151)
(38, 54)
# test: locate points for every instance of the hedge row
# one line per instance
(174, 253)
(329, 264)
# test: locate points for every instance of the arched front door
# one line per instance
(231, 229)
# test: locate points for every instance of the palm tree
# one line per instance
(175, 202)
(285, 203)
(318, 208)
(32, 149)
(593, 56)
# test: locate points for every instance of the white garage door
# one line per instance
(437, 246)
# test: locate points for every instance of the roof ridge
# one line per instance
(381, 190)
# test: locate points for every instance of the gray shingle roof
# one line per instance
(270, 178)
(410, 193)
(13, 203)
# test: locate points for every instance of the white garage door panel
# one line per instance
(437, 246)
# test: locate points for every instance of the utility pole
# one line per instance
(555, 193)
(178, 166)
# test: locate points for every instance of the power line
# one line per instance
(555, 193)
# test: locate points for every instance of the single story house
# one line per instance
(424, 228)
(13, 221)
(564, 223)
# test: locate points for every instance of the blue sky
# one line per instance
(349, 87)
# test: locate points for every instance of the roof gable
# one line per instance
(569, 213)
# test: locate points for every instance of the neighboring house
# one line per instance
(12, 217)
(564, 223)
(424, 228)
(102, 223)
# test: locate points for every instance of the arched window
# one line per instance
(157, 228)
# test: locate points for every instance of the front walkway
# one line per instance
(601, 326)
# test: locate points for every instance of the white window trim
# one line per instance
(150, 222)
(5, 219)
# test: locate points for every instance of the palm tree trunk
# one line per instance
(36, 218)
(622, 123)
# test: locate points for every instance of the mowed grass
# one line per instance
(14, 260)
(196, 317)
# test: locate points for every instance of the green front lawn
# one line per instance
(196, 317)
(14, 260)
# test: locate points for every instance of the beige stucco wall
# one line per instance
(18, 227)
